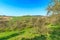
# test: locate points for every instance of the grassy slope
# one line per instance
(26, 33)
(6, 35)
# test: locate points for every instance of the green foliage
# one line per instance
(31, 28)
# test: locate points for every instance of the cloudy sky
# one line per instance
(23, 7)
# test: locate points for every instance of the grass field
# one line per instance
(11, 30)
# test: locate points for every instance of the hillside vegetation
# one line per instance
(30, 28)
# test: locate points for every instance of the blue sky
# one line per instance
(23, 7)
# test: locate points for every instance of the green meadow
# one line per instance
(29, 28)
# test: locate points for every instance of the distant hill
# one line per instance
(5, 18)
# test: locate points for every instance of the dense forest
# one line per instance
(32, 27)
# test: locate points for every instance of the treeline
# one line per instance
(40, 23)
(16, 24)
